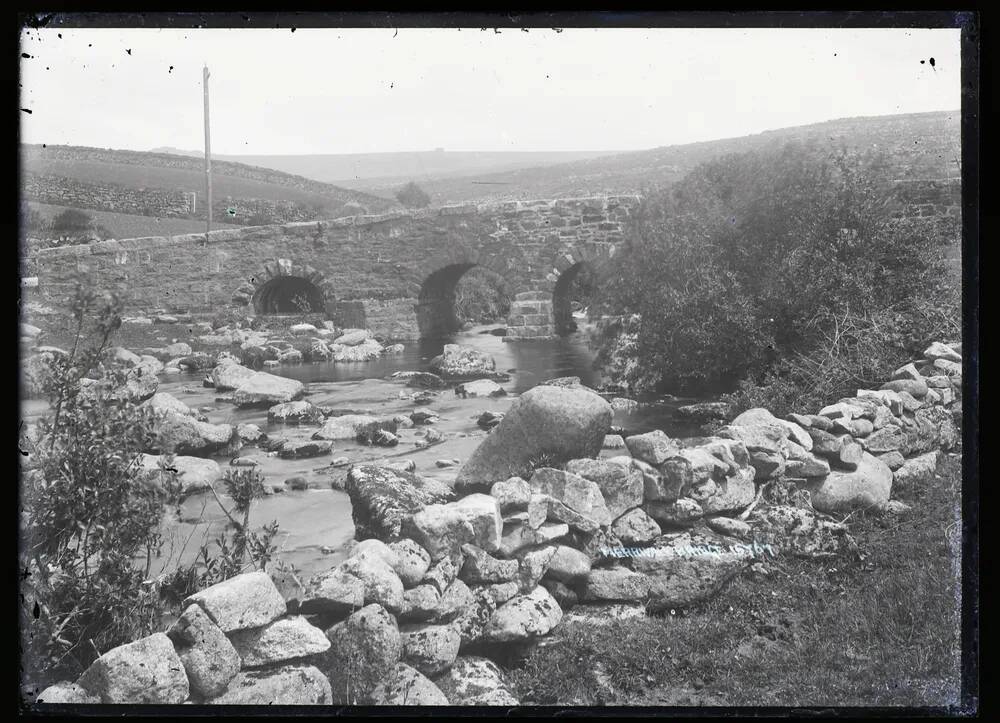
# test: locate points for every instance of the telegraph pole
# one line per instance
(208, 159)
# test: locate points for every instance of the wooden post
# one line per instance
(208, 160)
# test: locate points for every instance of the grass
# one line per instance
(127, 225)
(880, 631)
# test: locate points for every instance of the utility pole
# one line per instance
(208, 159)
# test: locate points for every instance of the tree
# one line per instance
(72, 222)
(413, 196)
(750, 258)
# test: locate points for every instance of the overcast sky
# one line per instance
(372, 90)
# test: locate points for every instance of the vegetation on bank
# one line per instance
(882, 628)
(91, 515)
(781, 272)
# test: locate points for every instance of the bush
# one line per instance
(90, 515)
(413, 196)
(747, 262)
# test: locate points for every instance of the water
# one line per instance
(315, 524)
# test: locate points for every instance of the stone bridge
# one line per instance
(394, 274)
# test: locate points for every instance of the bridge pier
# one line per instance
(531, 317)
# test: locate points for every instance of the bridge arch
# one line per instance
(436, 296)
(285, 287)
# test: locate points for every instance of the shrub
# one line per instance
(481, 297)
(747, 262)
(413, 196)
(90, 515)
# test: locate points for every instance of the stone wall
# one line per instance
(388, 259)
(62, 191)
(446, 580)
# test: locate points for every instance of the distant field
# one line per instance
(124, 225)
(136, 176)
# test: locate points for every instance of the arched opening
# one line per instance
(288, 295)
(461, 293)
(574, 292)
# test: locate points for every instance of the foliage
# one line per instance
(413, 196)
(239, 547)
(481, 297)
(750, 258)
(90, 515)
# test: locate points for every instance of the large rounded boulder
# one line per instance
(546, 426)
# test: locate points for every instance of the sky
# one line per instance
(345, 90)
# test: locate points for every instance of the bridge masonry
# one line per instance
(394, 274)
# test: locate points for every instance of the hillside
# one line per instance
(390, 170)
(161, 184)
(918, 146)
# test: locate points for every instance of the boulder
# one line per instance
(653, 448)
(354, 426)
(420, 604)
(262, 389)
(368, 350)
(729, 526)
(568, 564)
(532, 565)
(300, 412)
(621, 486)
(681, 512)
(441, 574)
(937, 350)
(635, 527)
(365, 649)
(183, 434)
(146, 671)
(554, 423)
(442, 529)
(334, 592)
(474, 680)
(480, 567)
(917, 469)
(616, 583)
(519, 535)
(284, 639)
(457, 363)
(577, 493)
(480, 388)
(209, 658)
(843, 491)
(288, 685)
(455, 600)
(381, 497)
(407, 686)
(913, 387)
(379, 581)
(161, 403)
(303, 450)
(511, 494)
(193, 473)
(489, 420)
(412, 561)
(246, 601)
(66, 692)
(352, 337)
(797, 531)
(524, 617)
(229, 376)
(431, 649)
(688, 568)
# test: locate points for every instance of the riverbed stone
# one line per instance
(480, 388)
(229, 375)
(249, 600)
(193, 473)
(300, 412)
(554, 423)
(267, 389)
(146, 671)
(458, 362)
(382, 497)
(185, 435)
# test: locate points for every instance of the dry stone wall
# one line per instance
(444, 580)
